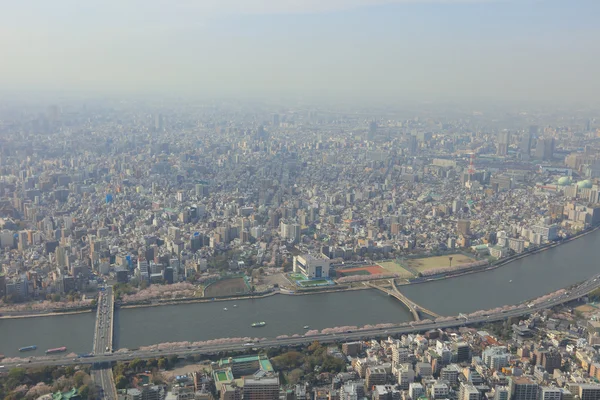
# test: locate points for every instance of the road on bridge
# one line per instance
(103, 343)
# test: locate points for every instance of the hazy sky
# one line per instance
(504, 49)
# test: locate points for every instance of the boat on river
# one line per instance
(258, 324)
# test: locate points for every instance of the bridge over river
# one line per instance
(415, 309)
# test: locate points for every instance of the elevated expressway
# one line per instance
(103, 344)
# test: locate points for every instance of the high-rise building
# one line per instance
(375, 376)
(450, 374)
(23, 240)
(496, 357)
(372, 129)
(412, 144)
(406, 375)
(312, 266)
(290, 231)
(275, 119)
(2, 285)
(416, 390)
(159, 125)
(266, 388)
(468, 392)
(549, 393)
(522, 388)
(525, 146)
(544, 148)
(400, 354)
(501, 393)
(462, 351)
(463, 226)
(352, 391)
(456, 206)
(386, 392)
(589, 391)
(503, 143)
(548, 359)
(230, 391)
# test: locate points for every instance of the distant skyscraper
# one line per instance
(275, 119)
(503, 143)
(456, 206)
(412, 144)
(261, 134)
(525, 146)
(544, 149)
(372, 129)
(159, 125)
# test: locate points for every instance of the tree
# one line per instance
(56, 297)
(295, 376)
(314, 346)
(174, 359)
(84, 391)
(162, 363)
(121, 382)
(17, 374)
(119, 368)
(79, 378)
(135, 364)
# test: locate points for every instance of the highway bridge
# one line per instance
(576, 293)
(103, 343)
(416, 306)
(415, 309)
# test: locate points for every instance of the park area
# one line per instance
(393, 267)
(440, 262)
(227, 287)
(408, 268)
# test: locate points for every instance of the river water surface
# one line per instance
(531, 277)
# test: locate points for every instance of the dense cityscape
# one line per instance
(299, 200)
(140, 205)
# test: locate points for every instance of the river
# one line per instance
(136, 327)
(74, 331)
(531, 277)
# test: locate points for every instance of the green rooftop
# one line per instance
(73, 394)
(266, 366)
(223, 375)
(227, 364)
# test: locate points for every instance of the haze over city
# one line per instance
(524, 50)
(299, 200)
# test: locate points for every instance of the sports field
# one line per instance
(394, 268)
(370, 270)
(438, 262)
(226, 287)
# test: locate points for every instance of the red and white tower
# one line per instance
(472, 166)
